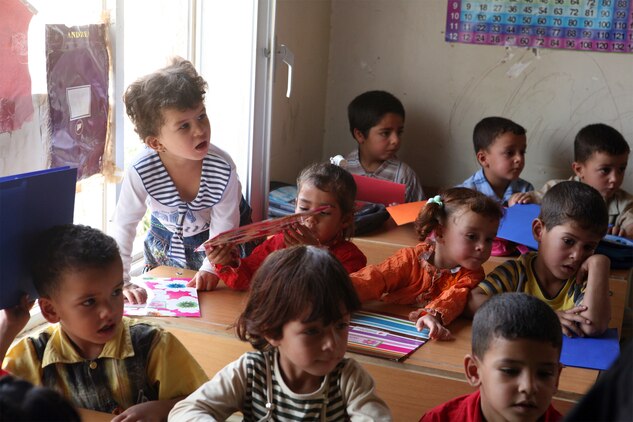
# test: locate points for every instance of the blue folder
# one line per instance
(593, 353)
(29, 204)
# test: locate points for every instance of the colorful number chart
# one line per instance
(590, 25)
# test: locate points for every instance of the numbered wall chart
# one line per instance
(590, 25)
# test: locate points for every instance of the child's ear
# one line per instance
(347, 220)
(153, 143)
(481, 158)
(439, 233)
(471, 368)
(537, 229)
(358, 135)
(47, 307)
(578, 169)
(273, 342)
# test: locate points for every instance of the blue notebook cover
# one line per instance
(593, 353)
(29, 204)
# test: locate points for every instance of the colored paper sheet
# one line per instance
(371, 189)
(257, 230)
(405, 213)
(165, 297)
(516, 224)
(29, 204)
(385, 336)
(593, 353)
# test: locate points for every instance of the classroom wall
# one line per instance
(297, 122)
(446, 88)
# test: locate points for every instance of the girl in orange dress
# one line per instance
(437, 274)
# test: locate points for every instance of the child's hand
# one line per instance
(156, 410)
(204, 280)
(570, 319)
(222, 254)
(623, 231)
(436, 330)
(521, 198)
(299, 234)
(594, 264)
(13, 320)
(134, 293)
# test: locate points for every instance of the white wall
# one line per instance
(446, 88)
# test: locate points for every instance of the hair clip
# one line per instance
(436, 199)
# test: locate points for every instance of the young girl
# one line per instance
(437, 275)
(318, 184)
(190, 186)
(297, 318)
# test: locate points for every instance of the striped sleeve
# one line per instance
(505, 278)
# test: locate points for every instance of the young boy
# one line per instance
(601, 155)
(564, 272)
(92, 355)
(516, 345)
(376, 120)
(500, 149)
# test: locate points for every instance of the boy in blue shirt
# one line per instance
(500, 146)
(91, 354)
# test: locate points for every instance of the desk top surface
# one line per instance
(220, 308)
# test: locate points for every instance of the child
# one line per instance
(437, 275)
(189, 185)
(572, 221)
(500, 148)
(297, 318)
(22, 401)
(91, 354)
(601, 155)
(516, 345)
(376, 120)
(318, 184)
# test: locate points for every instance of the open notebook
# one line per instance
(384, 335)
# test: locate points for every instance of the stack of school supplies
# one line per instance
(29, 204)
(385, 336)
(166, 296)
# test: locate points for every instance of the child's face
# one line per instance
(89, 306)
(603, 172)
(310, 350)
(328, 225)
(516, 378)
(383, 139)
(466, 240)
(562, 249)
(185, 134)
(505, 157)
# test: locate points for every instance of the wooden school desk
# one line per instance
(431, 376)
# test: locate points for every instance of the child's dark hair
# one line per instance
(598, 137)
(366, 110)
(513, 316)
(576, 202)
(335, 180)
(176, 86)
(22, 401)
(70, 247)
(487, 130)
(455, 200)
(298, 282)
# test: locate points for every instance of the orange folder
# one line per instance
(405, 213)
